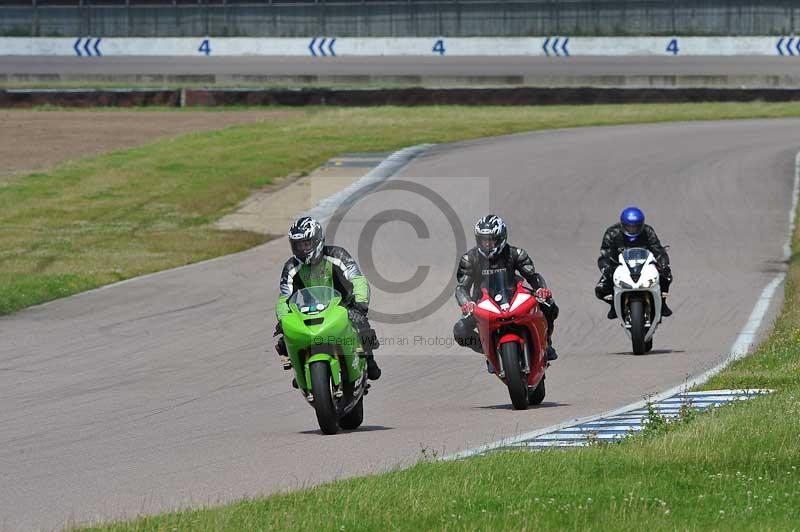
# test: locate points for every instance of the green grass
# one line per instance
(626, 487)
(735, 468)
(127, 213)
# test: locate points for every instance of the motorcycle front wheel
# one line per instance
(636, 308)
(517, 384)
(321, 387)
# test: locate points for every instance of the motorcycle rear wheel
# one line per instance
(536, 396)
(354, 418)
(517, 384)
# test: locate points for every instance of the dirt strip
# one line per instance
(37, 140)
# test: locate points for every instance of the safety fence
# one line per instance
(395, 18)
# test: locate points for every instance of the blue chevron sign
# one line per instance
(789, 46)
(87, 47)
(556, 46)
(317, 47)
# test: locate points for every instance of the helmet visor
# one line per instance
(632, 229)
(487, 242)
(303, 249)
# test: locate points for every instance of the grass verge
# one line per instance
(735, 468)
(100, 220)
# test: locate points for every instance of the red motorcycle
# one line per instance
(513, 333)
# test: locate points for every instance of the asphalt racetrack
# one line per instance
(541, 67)
(163, 391)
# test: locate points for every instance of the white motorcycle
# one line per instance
(637, 297)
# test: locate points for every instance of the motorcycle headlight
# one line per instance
(647, 284)
(625, 285)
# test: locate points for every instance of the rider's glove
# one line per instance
(468, 308)
(360, 307)
(544, 294)
(357, 316)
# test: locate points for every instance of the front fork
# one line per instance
(648, 307)
(336, 373)
(526, 354)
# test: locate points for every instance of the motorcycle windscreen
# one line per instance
(314, 298)
(499, 286)
(635, 259)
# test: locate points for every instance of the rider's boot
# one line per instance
(612, 312)
(666, 312)
(283, 354)
(373, 371)
(551, 351)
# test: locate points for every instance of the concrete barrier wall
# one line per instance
(393, 18)
(322, 47)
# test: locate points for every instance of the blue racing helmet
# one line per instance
(632, 220)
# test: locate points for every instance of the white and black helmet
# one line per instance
(307, 240)
(491, 235)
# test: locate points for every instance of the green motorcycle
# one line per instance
(327, 357)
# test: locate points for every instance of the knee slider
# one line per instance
(601, 291)
(460, 333)
(280, 347)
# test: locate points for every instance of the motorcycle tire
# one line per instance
(321, 387)
(536, 396)
(354, 418)
(638, 331)
(517, 385)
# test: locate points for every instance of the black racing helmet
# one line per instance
(491, 235)
(307, 239)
